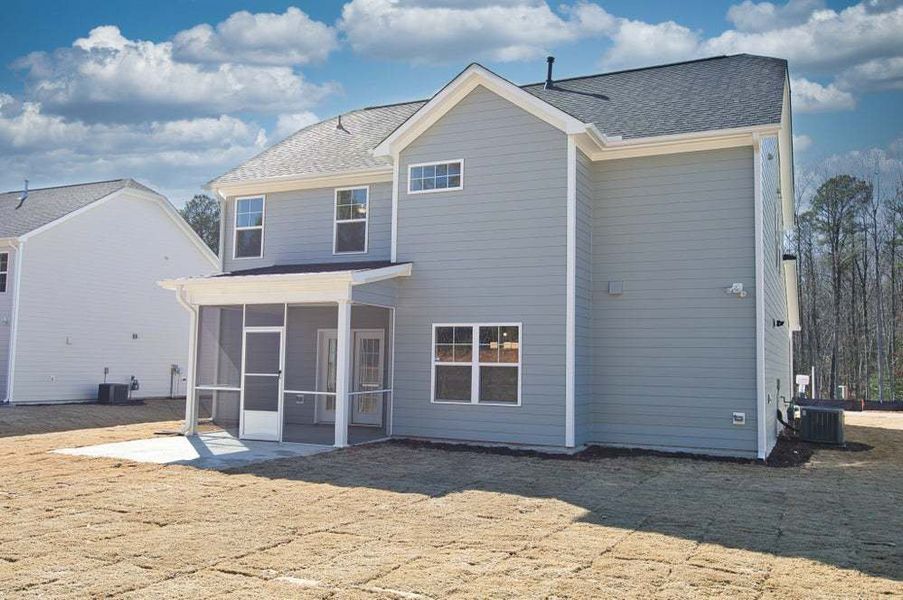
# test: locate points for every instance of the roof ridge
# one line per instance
(388, 105)
(650, 67)
(57, 187)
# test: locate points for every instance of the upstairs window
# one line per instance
(477, 363)
(436, 177)
(4, 270)
(350, 225)
(248, 227)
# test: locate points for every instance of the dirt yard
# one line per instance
(389, 521)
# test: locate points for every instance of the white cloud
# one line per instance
(636, 43)
(801, 143)
(109, 77)
(877, 74)
(764, 16)
(290, 123)
(441, 32)
(290, 38)
(176, 157)
(826, 41)
(809, 96)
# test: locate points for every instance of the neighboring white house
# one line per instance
(78, 266)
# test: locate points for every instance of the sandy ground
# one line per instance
(388, 521)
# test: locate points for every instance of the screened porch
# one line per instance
(276, 371)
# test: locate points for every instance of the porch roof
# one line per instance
(306, 282)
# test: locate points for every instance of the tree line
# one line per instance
(847, 238)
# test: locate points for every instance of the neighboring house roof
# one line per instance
(703, 95)
(45, 205)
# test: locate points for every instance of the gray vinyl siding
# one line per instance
(298, 228)
(6, 320)
(778, 378)
(583, 367)
(492, 252)
(674, 354)
(380, 293)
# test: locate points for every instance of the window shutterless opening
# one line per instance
(249, 222)
(441, 176)
(476, 363)
(350, 220)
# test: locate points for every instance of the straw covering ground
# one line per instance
(393, 521)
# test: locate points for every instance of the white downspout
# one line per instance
(191, 407)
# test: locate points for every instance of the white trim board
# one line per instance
(570, 382)
(761, 406)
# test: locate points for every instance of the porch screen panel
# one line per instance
(306, 413)
(219, 346)
(265, 315)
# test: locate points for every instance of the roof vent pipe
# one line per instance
(23, 196)
(550, 60)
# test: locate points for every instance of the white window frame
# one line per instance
(475, 364)
(336, 221)
(5, 272)
(431, 164)
(236, 228)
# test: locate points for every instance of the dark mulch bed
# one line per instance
(788, 452)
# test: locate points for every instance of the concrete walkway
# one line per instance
(215, 450)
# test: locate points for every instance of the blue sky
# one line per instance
(175, 93)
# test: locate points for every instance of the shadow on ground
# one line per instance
(843, 509)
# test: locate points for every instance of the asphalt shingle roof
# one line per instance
(45, 205)
(702, 95)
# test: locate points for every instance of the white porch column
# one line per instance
(343, 370)
(191, 398)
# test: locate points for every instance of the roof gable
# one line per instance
(46, 205)
(456, 90)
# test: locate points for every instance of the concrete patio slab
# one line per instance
(215, 450)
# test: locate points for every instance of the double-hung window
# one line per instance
(436, 177)
(249, 218)
(4, 271)
(350, 224)
(477, 363)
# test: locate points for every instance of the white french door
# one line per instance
(367, 409)
(262, 364)
(368, 366)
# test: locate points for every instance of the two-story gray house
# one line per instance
(595, 260)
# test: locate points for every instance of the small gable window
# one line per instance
(436, 177)
(249, 227)
(4, 270)
(350, 225)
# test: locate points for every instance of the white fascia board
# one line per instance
(280, 288)
(287, 183)
(380, 274)
(609, 148)
(455, 91)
